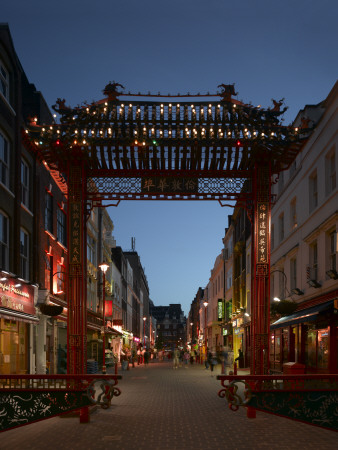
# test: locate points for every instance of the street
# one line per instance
(163, 408)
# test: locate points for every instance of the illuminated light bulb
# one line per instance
(143, 143)
(75, 142)
(122, 105)
(74, 117)
(42, 130)
(136, 142)
(35, 119)
(170, 105)
(262, 134)
(84, 141)
(144, 129)
(229, 133)
(245, 129)
(101, 132)
(296, 129)
(160, 131)
(75, 131)
(130, 105)
(104, 109)
(26, 131)
(36, 143)
(135, 132)
(58, 131)
(93, 132)
(106, 103)
(84, 131)
(161, 105)
(50, 128)
(218, 106)
(87, 109)
(178, 105)
(169, 131)
(202, 111)
(209, 110)
(54, 115)
(234, 106)
(272, 134)
(109, 130)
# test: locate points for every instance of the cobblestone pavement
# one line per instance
(162, 408)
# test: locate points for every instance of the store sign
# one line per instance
(108, 309)
(17, 298)
(262, 233)
(169, 185)
(75, 233)
(220, 309)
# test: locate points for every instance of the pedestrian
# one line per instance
(139, 356)
(146, 357)
(211, 361)
(192, 356)
(240, 358)
(176, 358)
(186, 358)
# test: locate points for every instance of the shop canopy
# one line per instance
(306, 315)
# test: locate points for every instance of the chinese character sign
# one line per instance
(169, 185)
(262, 233)
(75, 233)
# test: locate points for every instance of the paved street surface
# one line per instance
(163, 408)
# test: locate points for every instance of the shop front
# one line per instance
(17, 314)
(308, 337)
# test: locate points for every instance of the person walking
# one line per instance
(176, 358)
(186, 357)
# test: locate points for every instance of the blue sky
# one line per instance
(72, 49)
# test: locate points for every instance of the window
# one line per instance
(24, 184)
(4, 242)
(330, 169)
(91, 250)
(313, 261)
(281, 227)
(61, 227)
(4, 160)
(4, 81)
(293, 273)
(293, 213)
(60, 281)
(49, 212)
(313, 191)
(332, 250)
(24, 254)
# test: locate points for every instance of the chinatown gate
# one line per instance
(156, 147)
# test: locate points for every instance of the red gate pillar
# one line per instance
(260, 272)
(76, 292)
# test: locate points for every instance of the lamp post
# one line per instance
(144, 331)
(205, 328)
(191, 324)
(104, 267)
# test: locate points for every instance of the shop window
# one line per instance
(61, 227)
(310, 350)
(4, 241)
(4, 160)
(60, 279)
(313, 191)
(25, 183)
(4, 81)
(49, 212)
(24, 254)
(323, 349)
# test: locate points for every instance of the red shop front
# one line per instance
(17, 313)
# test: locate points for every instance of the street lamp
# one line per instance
(205, 327)
(144, 331)
(104, 267)
(191, 324)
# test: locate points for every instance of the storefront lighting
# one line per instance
(276, 299)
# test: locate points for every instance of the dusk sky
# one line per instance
(72, 49)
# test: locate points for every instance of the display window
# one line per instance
(13, 347)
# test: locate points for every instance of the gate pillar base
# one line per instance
(250, 412)
(84, 414)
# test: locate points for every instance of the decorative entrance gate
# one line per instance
(183, 147)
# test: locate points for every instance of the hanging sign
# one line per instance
(173, 185)
(220, 309)
(75, 233)
(262, 233)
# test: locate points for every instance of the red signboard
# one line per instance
(108, 310)
(15, 297)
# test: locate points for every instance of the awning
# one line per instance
(306, 315)
(17, 315)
